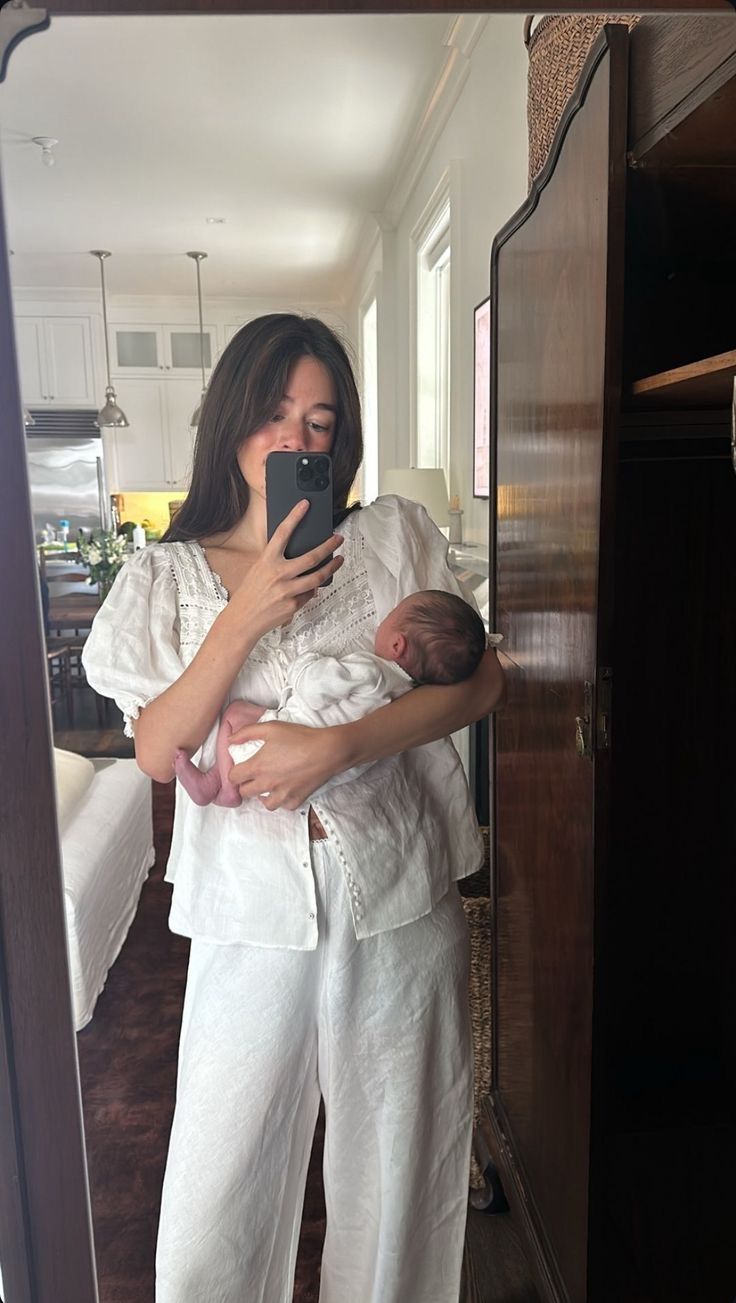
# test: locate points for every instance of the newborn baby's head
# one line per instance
(434, 636)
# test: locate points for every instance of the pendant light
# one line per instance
(198, 411)
(110, 414)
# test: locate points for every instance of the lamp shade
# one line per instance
(424, 485)
(196, 414)
(110, 413)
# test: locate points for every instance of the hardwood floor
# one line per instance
(86, 737)
(127, 1057)
(94, 742)
(495, 1269)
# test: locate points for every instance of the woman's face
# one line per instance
(303, 422)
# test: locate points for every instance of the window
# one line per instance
(432, 433)
(369, 398)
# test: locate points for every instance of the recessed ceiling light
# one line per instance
(215, 221)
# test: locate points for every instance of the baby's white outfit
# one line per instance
(337, 967)
(321, 691)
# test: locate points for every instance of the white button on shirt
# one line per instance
(404, 830)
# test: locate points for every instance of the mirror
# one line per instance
(310, 157)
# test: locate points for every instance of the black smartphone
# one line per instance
(290, 477)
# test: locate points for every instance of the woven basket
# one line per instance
(558, 48)
(475, 891)
(478, 914)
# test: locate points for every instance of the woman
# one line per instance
(329, 947)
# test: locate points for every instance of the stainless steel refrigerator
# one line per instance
(66, 472)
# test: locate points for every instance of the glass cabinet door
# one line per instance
(183, 349)
(232, 328)
(143, 349)
(136, 349)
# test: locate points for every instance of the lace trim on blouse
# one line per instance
(335, 620)
(132, 714)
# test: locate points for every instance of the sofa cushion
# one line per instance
(74, 775)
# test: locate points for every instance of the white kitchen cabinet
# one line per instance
(55, 361)
(143, 350)
(155, 451)
(182, 398)
(30, 345)
(232, 329)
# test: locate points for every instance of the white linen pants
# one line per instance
(381, 1028)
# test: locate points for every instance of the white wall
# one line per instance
(484, 146)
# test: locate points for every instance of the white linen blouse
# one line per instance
(404, 830)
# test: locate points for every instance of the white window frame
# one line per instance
(431, 302)
(368, 354)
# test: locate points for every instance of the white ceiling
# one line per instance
(291, 128)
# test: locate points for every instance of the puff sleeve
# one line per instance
(405, 552)
(132, 652)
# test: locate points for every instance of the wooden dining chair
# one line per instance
(73, 645)
(60, 682)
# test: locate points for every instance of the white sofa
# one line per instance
(106, 827)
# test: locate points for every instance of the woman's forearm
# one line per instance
(184, 714)
(423, 715)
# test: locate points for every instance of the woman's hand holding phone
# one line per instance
(275, 588)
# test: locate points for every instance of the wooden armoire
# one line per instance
(612, 1114)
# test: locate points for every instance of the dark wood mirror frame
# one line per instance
(46, 1246)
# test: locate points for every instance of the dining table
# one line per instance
(72, 611)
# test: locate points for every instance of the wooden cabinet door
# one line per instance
(557, 271)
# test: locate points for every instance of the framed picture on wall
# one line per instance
(482, 400)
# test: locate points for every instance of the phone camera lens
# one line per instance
(321, 482)
(321, 466)
(305, 473)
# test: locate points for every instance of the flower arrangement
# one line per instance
(104, 554)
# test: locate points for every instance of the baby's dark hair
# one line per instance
(445, 638)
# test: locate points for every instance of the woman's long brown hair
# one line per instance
(245, 390)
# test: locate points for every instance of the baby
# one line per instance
(430, 637)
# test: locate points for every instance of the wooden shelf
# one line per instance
(708, 383)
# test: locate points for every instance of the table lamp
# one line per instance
(423, 485)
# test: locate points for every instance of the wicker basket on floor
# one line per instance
(558, 48)
(475, 892)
